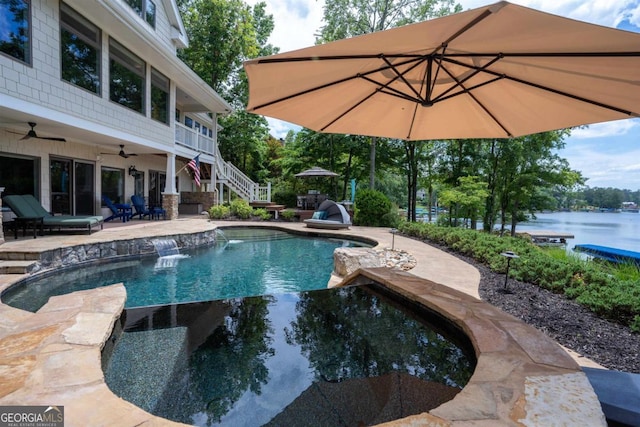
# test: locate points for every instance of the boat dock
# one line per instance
(547, 237)
(619, 256)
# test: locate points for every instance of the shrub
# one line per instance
(262, 214)
(241, 209)
(615, 297)
(374, 209)
(287, 198)
(219, 212)
(288, 214)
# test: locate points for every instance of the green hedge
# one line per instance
(587, 282)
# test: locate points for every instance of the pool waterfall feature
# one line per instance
(168, 254)
(166, 247)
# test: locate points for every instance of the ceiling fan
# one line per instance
(32, 134)
(122, 153)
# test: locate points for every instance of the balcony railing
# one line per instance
(234, 177)
(193, 139)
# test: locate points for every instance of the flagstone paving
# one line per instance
(53, 357)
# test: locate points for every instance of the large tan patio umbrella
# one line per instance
(494, 72)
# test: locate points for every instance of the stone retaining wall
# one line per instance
(207, 199)
(73, 255)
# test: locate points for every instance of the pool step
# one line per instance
(16, 267)
(153, 387)
(19, 256)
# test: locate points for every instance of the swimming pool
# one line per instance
(244, 262)
(357, 355)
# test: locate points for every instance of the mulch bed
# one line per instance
(608, 343)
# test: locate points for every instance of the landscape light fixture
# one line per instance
(393, 232)
(132, 170)
(509, 255)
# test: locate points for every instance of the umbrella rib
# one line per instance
(304, 92)
(468, 91)
(485, 14)
(338, 117)
(431, 83)
(576, 97)
(411, 58)
(563, 93)
(401, 76)
(460, 83)
(532, 84)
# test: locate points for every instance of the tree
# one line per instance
(223, 34)
(466, 199)
(528, 165)
(348, 18)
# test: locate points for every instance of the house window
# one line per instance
(127, 73)
(79, 50)
(20, 174)
(145, 9)
(113, 184)
(136, 5)
(150, 15)
(159, 96)
(15, 29)
(188, 121)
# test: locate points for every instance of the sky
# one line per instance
(608, 154)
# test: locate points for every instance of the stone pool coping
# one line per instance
(53, 357)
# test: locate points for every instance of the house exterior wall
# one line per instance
(93, 125)
(41, 84)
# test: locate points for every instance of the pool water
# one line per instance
(244, 262)
(333, 357)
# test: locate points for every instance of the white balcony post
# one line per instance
(170, 184)
(269, 192)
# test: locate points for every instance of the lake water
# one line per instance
(616, 230)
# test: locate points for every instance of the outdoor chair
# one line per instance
(118, 210)
(29, 212)
(141, 210)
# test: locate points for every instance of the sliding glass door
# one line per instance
(72, 187)
(84, 188)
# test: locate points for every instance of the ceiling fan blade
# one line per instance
(32, 134)
(51, 138)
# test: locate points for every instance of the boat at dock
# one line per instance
(618, 256)
(547, 237)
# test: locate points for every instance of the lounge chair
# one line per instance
(329, 215)
(119, 210)
(29, 210)
(141, 210)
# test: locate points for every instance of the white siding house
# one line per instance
(104, 76)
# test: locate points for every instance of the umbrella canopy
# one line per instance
(315, 171)
(494, 72)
